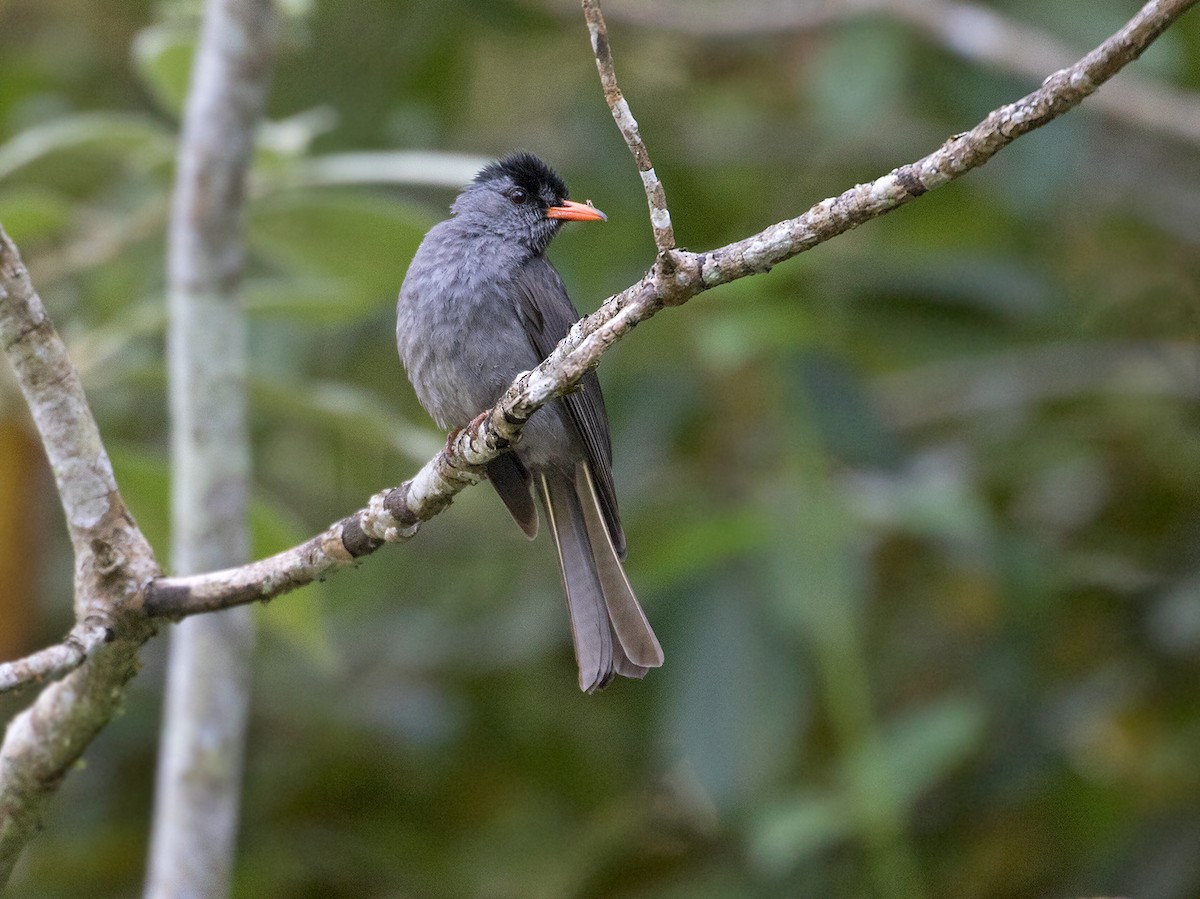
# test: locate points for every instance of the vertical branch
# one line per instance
(199, 774)
(660, 216)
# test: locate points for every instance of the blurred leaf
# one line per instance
(819, 582)
(306, 298)
(786, 833)
(359, 413)
(102, 353)
(1004, 285)
(698, 544)
(934, 497)
(33, 214)
(734, 706)
(914, 753)
(1174, 619)
(162, 55)
(145, 483)
(910, 757)
(364, 241)
(728, 338)
(122, 136)
(285, 140)
(859, 79)
(850, 429)
(405, 167)
(297, 617)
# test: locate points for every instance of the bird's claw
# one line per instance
(473, 425)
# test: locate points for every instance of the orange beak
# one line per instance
(576, 212)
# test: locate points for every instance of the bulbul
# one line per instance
(479, 305)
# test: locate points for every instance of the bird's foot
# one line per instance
(473, 425)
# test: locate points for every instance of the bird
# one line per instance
(481, 303)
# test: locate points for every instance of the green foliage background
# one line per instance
(915, 515)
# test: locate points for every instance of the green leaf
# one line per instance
(916, 752)
(354, 410)
(32, 214)
(82, 137)
(162, 56)
(361, 241)
(789, 832)
(145, 482)
(297, 617)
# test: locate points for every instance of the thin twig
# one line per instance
(660, 217)
(55, 661)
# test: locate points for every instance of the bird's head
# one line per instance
(522, 200)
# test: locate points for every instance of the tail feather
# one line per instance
(628, 620)
(609, 629)
(512, 481)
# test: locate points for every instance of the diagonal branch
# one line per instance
(395, 514)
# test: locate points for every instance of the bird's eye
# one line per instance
(518, 196)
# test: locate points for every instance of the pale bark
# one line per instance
(208, 677)
(113, 564)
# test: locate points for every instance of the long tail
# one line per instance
(611, 633)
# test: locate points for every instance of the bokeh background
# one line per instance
(916, 515)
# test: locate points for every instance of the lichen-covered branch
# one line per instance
(113, 563)
(55, 661)
(51, 386)
(660, 216)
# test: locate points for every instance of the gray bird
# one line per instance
(480, 304)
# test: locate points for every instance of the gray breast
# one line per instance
(456, 325)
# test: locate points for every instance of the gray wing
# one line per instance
(548, 315)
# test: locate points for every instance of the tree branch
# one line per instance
(395, 514)
(86, 487)
(55, 661)
(660, 216)
(113, 563)
(207, 702)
